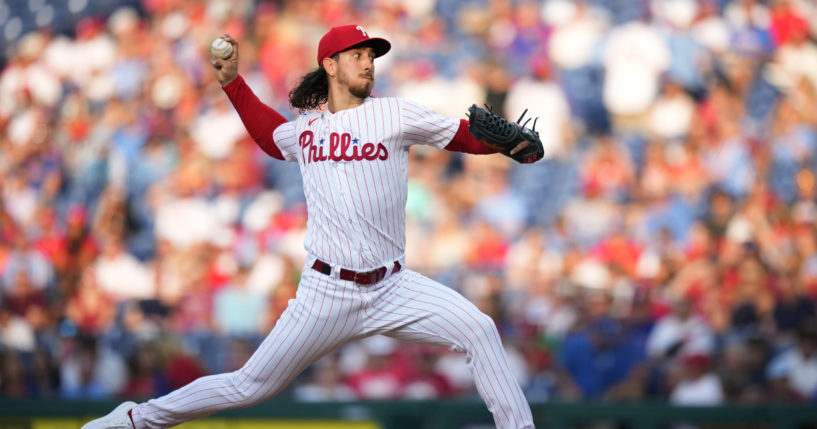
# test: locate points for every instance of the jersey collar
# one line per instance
(328, 114)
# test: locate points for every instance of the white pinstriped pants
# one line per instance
(327, 313)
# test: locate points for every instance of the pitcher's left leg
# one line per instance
(418, 309)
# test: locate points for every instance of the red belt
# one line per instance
(365, 279)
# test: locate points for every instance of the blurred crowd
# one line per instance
(665, 249)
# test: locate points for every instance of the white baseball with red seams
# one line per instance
(354, 166)
(221, 48)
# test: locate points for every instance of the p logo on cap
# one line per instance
(339, 39)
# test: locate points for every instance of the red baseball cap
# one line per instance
(339, 39)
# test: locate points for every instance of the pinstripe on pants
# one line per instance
(327, 313)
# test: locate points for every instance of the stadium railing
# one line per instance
(279, 414)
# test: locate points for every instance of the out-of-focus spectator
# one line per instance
(90, 308)
(598, 353)
(608, 169)
(549, 381)
(545, 100)
(500, 205)
(122, 275)
(672, 112)
(13, 375)
(711, 29)
(88, 372)
(44, 377)
(22, 297)
(237, 350)
(793, 148)
(184, 216)
(24, 257)
(15, 332)
(576, 35)
(742, 370)
(634, 57)
(753, 300)
(719, 213)
(792, 307)
(181, 369)
(217, 129)
(727, 158)
(146, 373)
(19, 197)
(426, 383)
(794, 372)
(488, 247)
(325, 384)
(448, 251)
(379, 378)
(591, 216)
(238, 310)
(194, 311)
(698, 384)
(682, 332)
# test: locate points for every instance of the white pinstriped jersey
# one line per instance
(354, 167)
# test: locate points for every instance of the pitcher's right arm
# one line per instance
(259, 119)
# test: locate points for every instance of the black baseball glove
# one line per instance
(503, 135)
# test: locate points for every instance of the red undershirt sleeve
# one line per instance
(259, 119)
(465, 142)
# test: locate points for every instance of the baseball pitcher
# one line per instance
(353, 150)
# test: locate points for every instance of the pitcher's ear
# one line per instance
(330, 65)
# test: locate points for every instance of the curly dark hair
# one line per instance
(312, 91)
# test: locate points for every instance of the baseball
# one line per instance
(221, 48)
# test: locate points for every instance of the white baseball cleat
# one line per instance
(116, 419)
